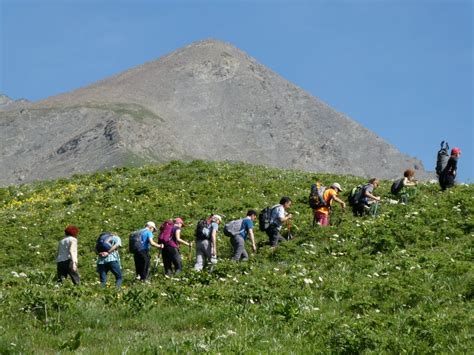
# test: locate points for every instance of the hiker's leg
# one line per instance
(166, 255)
(62, 269)
(147, 258)
(322, 219)
(138, 263)
(237, 251)
(101, 269)
(199, 256)
(177, 261)
(114, 267)
(76, 279)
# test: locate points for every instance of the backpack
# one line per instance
(233, 228)
(316, 199)
(104, 242)
(442, 158)
(203, 231)
(355, 195)
(135, 241)
(166, 233)
(264, 218)
(396, 186)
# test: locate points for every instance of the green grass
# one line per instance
(402, 282)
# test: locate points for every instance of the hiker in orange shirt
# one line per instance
(330, 194)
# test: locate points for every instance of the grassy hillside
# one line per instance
(402, 282)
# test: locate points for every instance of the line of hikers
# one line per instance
(271, 220)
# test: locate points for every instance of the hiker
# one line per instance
(321, 214)
(170, 252)
(448, 175)
(404, 187)
(109, 260)
(67, 255)
(367, 199)
(206, 241)
(237, 240)
(142, 256)
(278, 216)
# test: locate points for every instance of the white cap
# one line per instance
(336, 186)
(217, 217)
(151, 224)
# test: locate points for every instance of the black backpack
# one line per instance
(355, 195)
(203, 231)
(442, 157)
(135, 241)
(396, 186)
(316, 199)
(104, 242)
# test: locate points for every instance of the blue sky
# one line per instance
(402, 68)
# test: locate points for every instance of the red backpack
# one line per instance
(166, 233)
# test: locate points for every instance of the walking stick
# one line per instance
(289, 236)
(190, 254)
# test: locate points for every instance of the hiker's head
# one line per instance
(216, 218)
(409, 173)
(336, 186)
(252, 214)
(456, 151)
(375, 182)
(71, 231)
(151, 226)
(179, 221)
(285, 202)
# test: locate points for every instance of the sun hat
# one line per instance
(217, 217)
(151, 224)
(336, 186)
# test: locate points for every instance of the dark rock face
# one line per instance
(209, 101)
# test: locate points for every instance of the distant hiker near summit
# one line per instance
(448, 175)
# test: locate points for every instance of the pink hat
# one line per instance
(179, 220)
(455, 150)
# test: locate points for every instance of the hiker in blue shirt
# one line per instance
(238, 240)
(110, 261)
(142, 257)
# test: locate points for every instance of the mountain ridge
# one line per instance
(211, 101)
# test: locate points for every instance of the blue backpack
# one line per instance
(104, 242)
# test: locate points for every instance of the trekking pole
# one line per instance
(374, 212)
(190, 254)
(156, 263)
(289, 236)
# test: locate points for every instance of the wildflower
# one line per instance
(308, 281)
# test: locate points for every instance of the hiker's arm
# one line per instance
(286, 218)
(73, 253)
(156, 245)
(338, 200)
(369, 195)
(214, 244)
(252, 239)
(179, 240)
